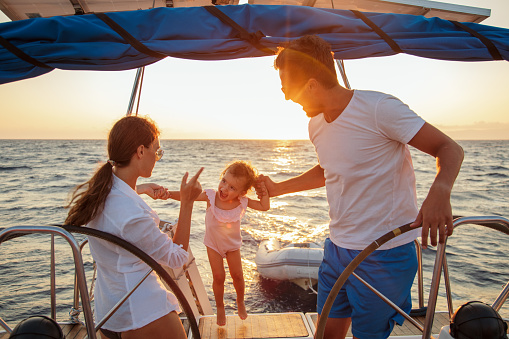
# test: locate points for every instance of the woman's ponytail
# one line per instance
(124, 139)
(88, 198)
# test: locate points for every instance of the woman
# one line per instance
(109, 202)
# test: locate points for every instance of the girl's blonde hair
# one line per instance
(242, 169)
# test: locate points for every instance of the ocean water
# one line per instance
(37, 175)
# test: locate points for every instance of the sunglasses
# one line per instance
(159, 154)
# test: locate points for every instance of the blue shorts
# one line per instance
(391, 272)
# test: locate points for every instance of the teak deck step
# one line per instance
(275, 325)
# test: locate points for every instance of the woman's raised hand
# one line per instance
(189, 191)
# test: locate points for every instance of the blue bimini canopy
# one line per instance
(127, 40)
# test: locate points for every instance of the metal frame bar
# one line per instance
(137, 83)
(389, 302)
(501, 298)
(53, 280)
(76, 306)
(447, 282)
(441, 264)
(342, 71)
(121, 301)
(420, 281)
(5, 326)
(114, 309)
(78, 265)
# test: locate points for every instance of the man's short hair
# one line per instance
(308, 57)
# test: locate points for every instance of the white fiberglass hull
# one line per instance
(298, 263)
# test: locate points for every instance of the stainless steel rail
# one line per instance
(135, 93)
(53, 280)
(494, 222)
(121, 302)
(441, 263)
(389, 302)
(75, 311)
(420, 283)
(501, 298)
(5, 326)
(78, 265)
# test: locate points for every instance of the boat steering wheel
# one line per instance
(320, 328)
(494, 222)
(149, 261)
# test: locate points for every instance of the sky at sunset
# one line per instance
(241, 99)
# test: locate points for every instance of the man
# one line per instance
(361, 140)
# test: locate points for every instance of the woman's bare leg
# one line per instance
(166, 327)
(235, 266)
(218, 275)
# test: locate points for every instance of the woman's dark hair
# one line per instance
(308, 57)
(123, 141)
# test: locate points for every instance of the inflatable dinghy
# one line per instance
(296, 262)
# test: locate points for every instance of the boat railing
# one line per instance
(420, 275)
(201, 306)
(76, 309)
(81, 283)
(494, 222)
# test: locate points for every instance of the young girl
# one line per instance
(225, 208)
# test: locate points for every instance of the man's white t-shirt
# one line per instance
(128, 216)
(369, 176)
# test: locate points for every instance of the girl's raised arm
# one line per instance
(175, 195)
(264, 203)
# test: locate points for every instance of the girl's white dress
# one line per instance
(222, 227)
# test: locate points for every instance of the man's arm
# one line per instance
(436, 211)
(312, 178)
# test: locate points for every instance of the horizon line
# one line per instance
(213, 139)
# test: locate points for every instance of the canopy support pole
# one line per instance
(137, 83)
(341, 67)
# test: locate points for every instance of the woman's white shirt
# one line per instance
(128, 216)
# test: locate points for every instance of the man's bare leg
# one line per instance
(336, 328)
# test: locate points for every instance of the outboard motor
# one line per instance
(37, 327)
(475, 320)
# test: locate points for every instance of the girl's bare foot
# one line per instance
(221, 316)
(241, 309)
